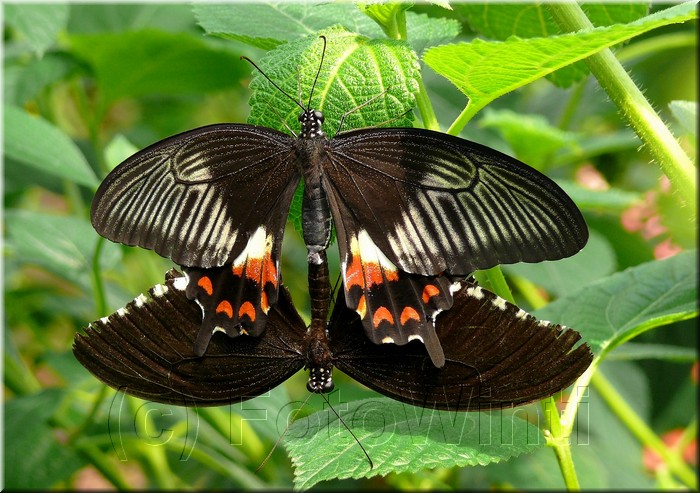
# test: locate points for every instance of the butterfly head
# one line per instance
(311, 122)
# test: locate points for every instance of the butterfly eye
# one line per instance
(302, 116)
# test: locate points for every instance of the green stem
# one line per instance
(640, 430)
(617, 83)
(425, 108)
(567, 115)
(80, 431)
(529, 291)
(467, 114)
(97, 282)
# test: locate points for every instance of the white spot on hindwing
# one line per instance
(387, 340)
(256, 247)
(159, 290)
(415, 337)
(363, 246)
(180, 283)
(521, 313)
(499, 303)
(475, 292)
(140, 300)
(122, 311)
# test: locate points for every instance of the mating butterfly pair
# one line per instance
(414, 211)
(496, 356)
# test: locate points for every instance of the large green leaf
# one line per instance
(268, 25)
(595, 261)
(501, 21)
(615, 309)
(34, 458)
(39, 23)
(485, 71)
(62, 244)
(138, 63)
(355, 69)
(400, 438)
(35, 143)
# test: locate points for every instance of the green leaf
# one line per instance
(425, 31)
(686, 113)
(632, 351)
(38, 75)
(118, 149)
(268, 25)
(117, 17)
(34, 459)
(390, 16)
(501, 21)
(62, 244)
(612, 200)
(485, 71)
(532, 137)
(355, 70)
(565, 276)
(139, 63)
(40, 24)
(401, 438)
(37, 144)
(613, 310)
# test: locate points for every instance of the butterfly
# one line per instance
(497, 356)
(414, 211)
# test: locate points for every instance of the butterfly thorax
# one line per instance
(316, 213)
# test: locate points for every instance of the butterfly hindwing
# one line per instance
(145, 349)
(436, 203)
(237, 297)
(495, 355)
(196, 197)
(395, 307)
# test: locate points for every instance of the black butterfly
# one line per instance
(497, 355)
(414, 210)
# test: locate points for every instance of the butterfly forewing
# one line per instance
(197, 197)
(433, 202)
(145, 349)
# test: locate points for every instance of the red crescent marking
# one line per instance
(429, 291)
(226, 308)
(409, 313)
(205, 283)
(247, 310)
(380, 315)
(354, 275)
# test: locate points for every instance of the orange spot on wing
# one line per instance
(269, 273)
(362, 306)
(353, 274)
(429, 291)
(382, 314)
(409, 313)
(238, 269)
(247, 310)
(226, 308)
(253, 269)
(373, 274)
(205, 283)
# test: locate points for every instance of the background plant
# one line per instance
(87, 85)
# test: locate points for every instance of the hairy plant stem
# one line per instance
(617, 83)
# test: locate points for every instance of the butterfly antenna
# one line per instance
(284, 433)
(371, 464)
(243, 57)
(323, 54)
